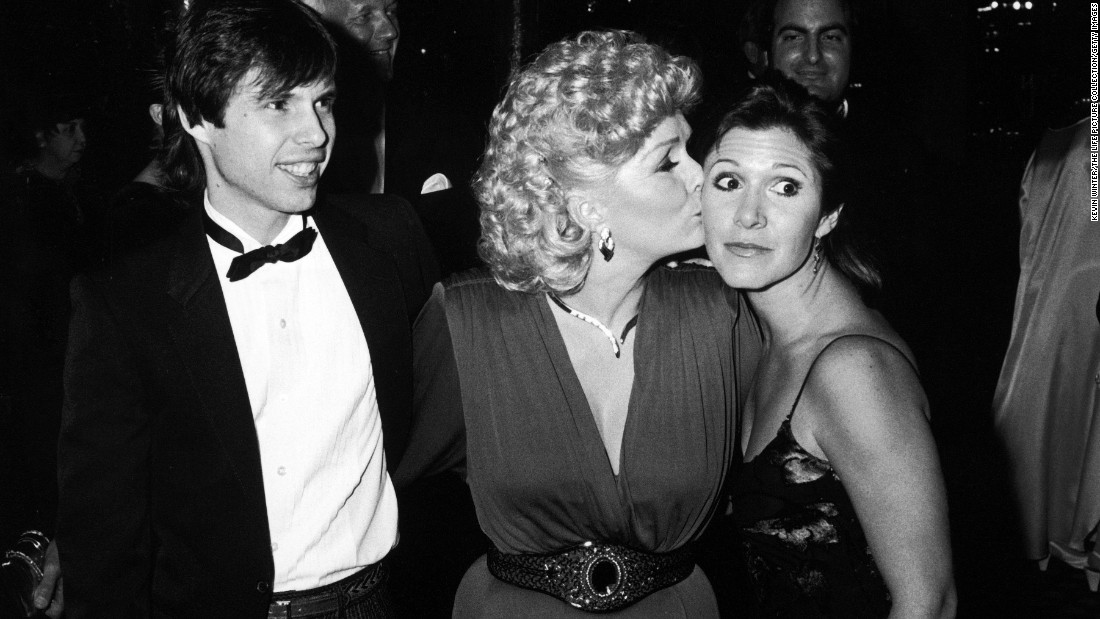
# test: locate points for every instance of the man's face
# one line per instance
(373, 23)
(812, 45)
(271, 150)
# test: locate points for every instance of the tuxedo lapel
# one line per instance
(204, 336)
(372, 281)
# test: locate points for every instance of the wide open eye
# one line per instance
(787, 187)
(726, 182)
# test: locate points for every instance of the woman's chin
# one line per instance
(742, 278)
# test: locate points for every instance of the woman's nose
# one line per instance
(750, 213)
(693, 174)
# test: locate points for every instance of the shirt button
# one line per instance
(282, 323)
(263, 586)
(274, 546)
(282, 470)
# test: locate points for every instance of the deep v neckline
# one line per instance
(579, 406)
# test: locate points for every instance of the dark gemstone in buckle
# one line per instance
(603, 576)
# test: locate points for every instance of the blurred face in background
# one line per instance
(812, 45)
(373, 23)
(64, 146)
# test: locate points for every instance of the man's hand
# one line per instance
(49, 596)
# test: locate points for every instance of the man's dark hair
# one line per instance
(218, 43)
(850, 8)
(777, 102)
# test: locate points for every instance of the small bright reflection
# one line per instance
(1016, 5)
(993, 4)
(1027, 5)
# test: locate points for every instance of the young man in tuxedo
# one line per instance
(236, 391)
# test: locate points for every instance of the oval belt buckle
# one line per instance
(603, 572)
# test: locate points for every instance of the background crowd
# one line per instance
(953, 122)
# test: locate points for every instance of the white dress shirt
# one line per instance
(331, 507)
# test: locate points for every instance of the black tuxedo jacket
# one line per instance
(162, 509)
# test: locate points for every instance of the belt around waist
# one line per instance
(369, 581)
(593, 576)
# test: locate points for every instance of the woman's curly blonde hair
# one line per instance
(579, 110)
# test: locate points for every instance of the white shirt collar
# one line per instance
(293, 225)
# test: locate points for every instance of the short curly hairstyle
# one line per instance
(582, 108)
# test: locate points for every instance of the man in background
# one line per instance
(811, 43)
(396, 137)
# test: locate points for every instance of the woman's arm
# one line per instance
(867, 413)
(437, 435)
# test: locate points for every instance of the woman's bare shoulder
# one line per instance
(864, 384)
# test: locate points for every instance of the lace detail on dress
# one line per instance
(799, 466)
(803, 546)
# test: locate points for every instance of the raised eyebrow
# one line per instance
(779, 165)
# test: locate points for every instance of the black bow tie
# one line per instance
(247, 263)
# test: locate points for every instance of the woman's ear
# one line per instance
(828, 223)
(586, 210)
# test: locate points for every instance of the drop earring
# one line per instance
(817, 256)
(607, 244)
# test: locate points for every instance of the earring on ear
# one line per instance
(607, 244)
(817, 255)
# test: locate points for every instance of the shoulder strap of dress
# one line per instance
(826, 347)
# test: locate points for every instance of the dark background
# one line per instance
(974, 84)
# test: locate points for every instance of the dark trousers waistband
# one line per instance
(363, 594)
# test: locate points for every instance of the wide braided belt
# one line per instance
(594, 577)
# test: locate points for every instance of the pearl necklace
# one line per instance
(615, 341)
